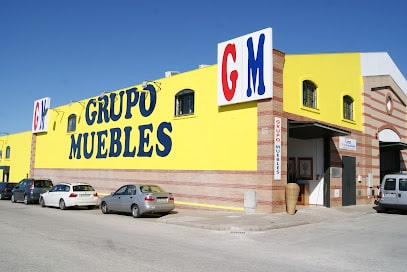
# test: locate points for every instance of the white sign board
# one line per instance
(40, 116)
(347, 143)
(277, 148)
(245, 68)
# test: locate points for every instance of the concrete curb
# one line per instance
(238, 222)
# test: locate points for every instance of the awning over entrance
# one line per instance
(311, 130)
(393, 145)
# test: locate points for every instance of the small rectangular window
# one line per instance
(390, 184)
(184, 102)
(71, 123)
(403, 184)
(8, 152)
(347, 108)
(309, 94)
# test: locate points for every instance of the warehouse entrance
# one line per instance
(390, 153)
(5, 173)
(309, 159)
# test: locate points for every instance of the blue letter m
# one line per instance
(255, 65)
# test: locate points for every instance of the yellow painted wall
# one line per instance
(214, 138)
(20, 154)
(335, 75)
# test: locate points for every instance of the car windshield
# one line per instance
(151, 189)
(83, 187)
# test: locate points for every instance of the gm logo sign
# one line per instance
(40, 116)
(245, 68)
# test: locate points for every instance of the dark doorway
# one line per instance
(6, 173)
(327, 175)
(389, 161)
(348, 181)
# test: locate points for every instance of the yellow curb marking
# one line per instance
(198, 205)
(209, 206)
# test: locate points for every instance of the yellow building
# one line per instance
(232, 135)
(340, 124)
(139, 128)
(15, 156)
(335, 76)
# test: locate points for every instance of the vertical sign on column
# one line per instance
(245, 68)
(277, 148)
(40, 116)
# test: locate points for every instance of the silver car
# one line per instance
(138, 199)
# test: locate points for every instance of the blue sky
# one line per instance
(72, 50)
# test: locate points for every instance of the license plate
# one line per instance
(390, 195)
(161, 200)
(84, 195)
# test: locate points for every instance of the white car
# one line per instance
(64, 195)
(393, 192)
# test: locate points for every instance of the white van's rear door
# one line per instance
(389, 192)
(402, 192)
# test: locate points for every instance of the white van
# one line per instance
(393, 192)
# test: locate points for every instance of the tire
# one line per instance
(42, 202)
(13, 198)
(135, 211)
(62, 205)
(26, 202)
(104, 208)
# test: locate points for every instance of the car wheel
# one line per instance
(104, 208)
(26, 202)
(13, 198)
(42, 202)
(135, 212)
(62, 205)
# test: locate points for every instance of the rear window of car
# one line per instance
(403, 184)
(11, 185)
(42, 183)
(77, 188)
(151, 189)
(390, 184)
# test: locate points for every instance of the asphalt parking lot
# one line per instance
(344, 239)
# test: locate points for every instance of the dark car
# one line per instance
(5, 189)
(138, 199)
(29, 190)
